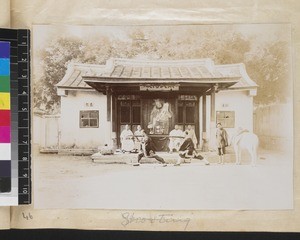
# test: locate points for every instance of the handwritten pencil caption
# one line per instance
(129, 218)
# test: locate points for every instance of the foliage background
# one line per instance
(264, 49)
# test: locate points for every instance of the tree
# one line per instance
(268, 65)
(270, 70)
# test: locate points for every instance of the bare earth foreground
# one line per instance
(77, 182)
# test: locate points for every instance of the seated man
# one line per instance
(148, 151)
(127, 140)
(192, 135)
(138, 138)
(176, 138)
(188, 151)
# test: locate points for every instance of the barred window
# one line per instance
(89, 119)
(226, 118)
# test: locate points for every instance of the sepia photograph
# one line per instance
(162, 117)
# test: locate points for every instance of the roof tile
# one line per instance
(155, 69)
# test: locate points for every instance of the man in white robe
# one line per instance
(176, 138)
(138, 138)
(127, 143)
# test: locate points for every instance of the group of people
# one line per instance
(184, 142)
(131, 142)
(177, 137)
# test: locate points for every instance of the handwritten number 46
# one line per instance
(27, 216)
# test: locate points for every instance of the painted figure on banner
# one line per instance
(176, 137)
(127, 143)
(160, 117)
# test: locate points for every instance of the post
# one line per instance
(213, 106)
(212, 139)
(114, 113)
(108, 96)
(204, 116)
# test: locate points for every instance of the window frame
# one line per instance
(89, 118)
(224, 120)
(184, 102)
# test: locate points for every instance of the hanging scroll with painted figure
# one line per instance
(160, 117)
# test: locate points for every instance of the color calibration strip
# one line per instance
(19, 89)
(5, 118)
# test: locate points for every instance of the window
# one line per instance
(226, 118)
(125, 112)
(129, 112)
(190, 109)
(186, 111)
(136, 114)
(89, 119)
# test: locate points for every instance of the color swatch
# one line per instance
(5, 118)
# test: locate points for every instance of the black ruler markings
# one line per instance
(20, 107)
(24, 134)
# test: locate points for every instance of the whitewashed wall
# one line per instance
(233, 100)
(71, 135)
(241, 103)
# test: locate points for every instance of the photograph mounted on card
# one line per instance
(180, 117)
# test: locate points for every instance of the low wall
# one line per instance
(274, 126)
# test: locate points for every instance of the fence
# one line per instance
(274, 126)
(46, 131)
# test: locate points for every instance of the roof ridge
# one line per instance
(204, 61)
(85, 65)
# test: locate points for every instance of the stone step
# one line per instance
(130, 158)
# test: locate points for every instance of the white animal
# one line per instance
(244, 139)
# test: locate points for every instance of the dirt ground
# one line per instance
(78, 182)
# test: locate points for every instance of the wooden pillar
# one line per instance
(114, 113)
(212, 139)
(213, 106)
(197, 120)
(108, 96)
(204, 116)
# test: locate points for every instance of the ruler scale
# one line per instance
(20, 111)
(24, 135)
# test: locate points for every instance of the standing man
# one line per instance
(222, 142)
(148, 151)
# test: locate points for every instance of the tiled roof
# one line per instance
(244, 82)
(119, 69)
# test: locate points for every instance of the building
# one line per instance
(97, 101)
